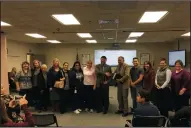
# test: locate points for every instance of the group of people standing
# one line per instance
(88, 87)
(78, 91)
(169, 90)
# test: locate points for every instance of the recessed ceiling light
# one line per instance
(4, 24)
(66, 19)
(35, 35)
(84, 35)
(110, 38)
(152, 16)
(186, 34)
(131, 41)
(91, 41)
(136, 34)
(54, 41)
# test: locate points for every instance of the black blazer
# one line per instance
(52, 77)
(69, 77)
(76, 83)
(42, 83)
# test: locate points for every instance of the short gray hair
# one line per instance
(44, 65)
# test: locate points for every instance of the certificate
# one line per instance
(144, 57)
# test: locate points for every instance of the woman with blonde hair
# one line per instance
(36, 87)
(53, 75)
(11, 77)
(89, 86)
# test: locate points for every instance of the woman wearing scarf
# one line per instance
(53, 76)
(162, 84)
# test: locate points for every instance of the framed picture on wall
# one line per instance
(85, 58)
(144, 57)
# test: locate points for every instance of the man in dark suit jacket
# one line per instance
(146, 108)
(103, 73)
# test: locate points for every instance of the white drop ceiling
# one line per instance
(35, 17)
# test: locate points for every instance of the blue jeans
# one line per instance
(134, 94)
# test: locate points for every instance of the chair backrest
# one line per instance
(43, 120)
(182, 122)
(149, 121)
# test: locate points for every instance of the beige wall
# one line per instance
(67, 52)
(17, 53)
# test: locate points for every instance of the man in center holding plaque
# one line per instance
(103, 73)
(122, 77)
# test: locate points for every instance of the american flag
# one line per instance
(77, 56)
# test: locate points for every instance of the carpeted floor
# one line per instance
(94, 119)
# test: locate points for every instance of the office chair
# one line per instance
(182, 122)
(43, 120)
(147, 121)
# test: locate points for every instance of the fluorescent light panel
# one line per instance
(110, 38)
(152, 16)
(84, 35)
(35, 35)
(66, 19)
(186, 34)
(131, 41)
(54, 41)
(91, 41)
(136, 34)
(4, 24)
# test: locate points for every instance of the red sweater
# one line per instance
(29, 122)
(149, 80)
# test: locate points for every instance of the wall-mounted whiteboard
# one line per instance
(112, 56)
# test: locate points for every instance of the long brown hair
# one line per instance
(3, 112)
(150, 65)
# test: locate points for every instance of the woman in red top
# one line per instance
(7, 122)
(149, 80)
(149, 76)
